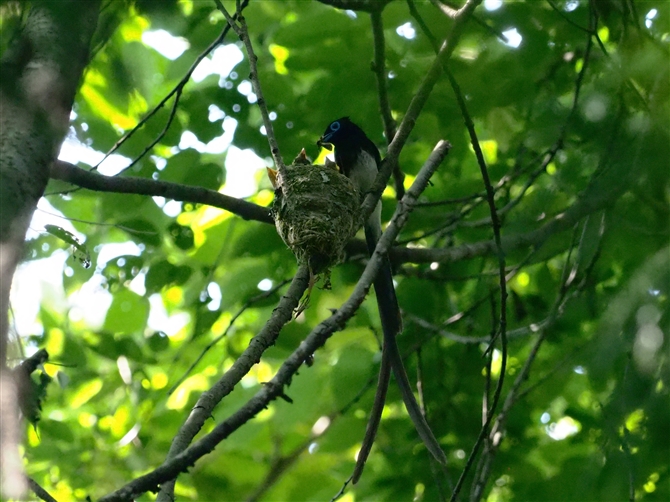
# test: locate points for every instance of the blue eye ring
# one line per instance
(335, 126)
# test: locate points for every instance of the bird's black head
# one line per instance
(350, 142)
(340, 132)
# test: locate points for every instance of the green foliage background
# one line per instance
(602, 368)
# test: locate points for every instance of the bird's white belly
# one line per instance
(364, 173)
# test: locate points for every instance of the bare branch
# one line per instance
(379, 69)
(70, 173)
(243, 32)
(174, 92)
(252, 355)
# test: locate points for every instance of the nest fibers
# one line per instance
(316, 212)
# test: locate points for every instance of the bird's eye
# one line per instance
(335, 126)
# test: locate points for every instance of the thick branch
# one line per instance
(252, 355)
(143, 186)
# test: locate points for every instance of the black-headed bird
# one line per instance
(359, 160)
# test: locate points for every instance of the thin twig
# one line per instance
(243, 32)
(39, 491)
(160, 136)
(98, 223)
(495, 436)
(446, 202)
(515, 393)
(415, 107)
(174, 92)
(379, 69)
(252, 355)
(490, 197)
(580, 75)
(567, 18)
(342, 489)
(422, 24)
(357, 5)
(281, 465)
(208, 347)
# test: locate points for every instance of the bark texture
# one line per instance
(40, 74)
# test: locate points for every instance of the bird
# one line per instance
(358, 158)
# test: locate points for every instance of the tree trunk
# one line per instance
(40, 75)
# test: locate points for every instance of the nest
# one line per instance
(316, 212)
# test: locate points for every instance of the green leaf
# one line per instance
(128, 313)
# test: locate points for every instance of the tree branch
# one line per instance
(243, 32)
(316, 339)
(415, 107)
(379, 69)
(252, 355)
(91, 180)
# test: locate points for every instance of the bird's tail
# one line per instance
(387, 301)
(389, 312)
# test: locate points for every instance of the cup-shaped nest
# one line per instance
(316, 213)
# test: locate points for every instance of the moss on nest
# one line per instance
(316, 213)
